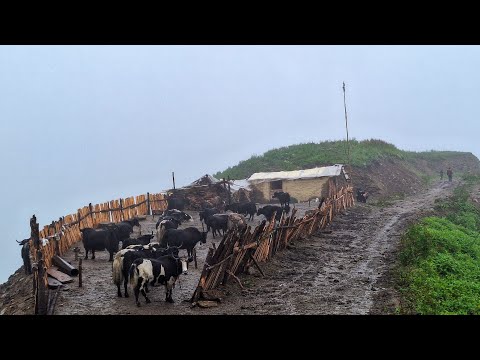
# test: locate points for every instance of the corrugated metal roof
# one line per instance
(317, 172)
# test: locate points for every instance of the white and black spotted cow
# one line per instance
(164, 270)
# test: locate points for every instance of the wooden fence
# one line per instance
(238, 251)
(62, 234)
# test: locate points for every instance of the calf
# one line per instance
(99, 239)
(141, 240)
(283, 197)
(164, 270)
(184, 239)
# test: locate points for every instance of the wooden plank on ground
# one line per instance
(60, 276)
(53, 283)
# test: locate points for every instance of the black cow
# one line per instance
(164, 270)
(243, 208)
(174, 214)
(268, 211)
(124, 259)
(283, 197)
(99, 239)
(205, 214)
(175, 202)
(122, 229)
(362, 196)
(133, 222)
(141, 240)
(25, 252)
(217, 222)
(183, 239)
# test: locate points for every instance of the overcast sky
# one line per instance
(82, 124)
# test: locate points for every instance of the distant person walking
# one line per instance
(449, 174)
(441, 174)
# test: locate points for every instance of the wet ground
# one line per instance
(347, 271)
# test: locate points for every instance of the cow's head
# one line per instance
(260, 211)
(186, 217)
(135, 222)
(182, 264)
(203, 238)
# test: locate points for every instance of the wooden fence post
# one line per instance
(80, 272)
(91, 214)
(148, 204)
(121, 211)
(40, 290)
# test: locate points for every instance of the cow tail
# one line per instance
(133, 275)
(117, 270)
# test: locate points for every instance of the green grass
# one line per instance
(308, 155)
(439, 270)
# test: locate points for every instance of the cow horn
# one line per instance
(18, 241)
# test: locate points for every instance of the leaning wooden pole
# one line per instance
(39, 271)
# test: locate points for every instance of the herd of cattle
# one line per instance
(152, 259)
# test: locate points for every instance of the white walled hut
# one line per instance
(303, 185)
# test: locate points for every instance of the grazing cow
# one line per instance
(184, 239)
(236, 222)
(141, 240)
(99, 239)
(268, 211)
(124, 259)
(217, 222)
(243, 208)
(27, 264)
(362, 196)
(164, 270)
(164, 226)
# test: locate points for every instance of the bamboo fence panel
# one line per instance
(158, 202)
(237, 251)
(142, 207)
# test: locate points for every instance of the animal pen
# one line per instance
(65, 232)
(234, 255)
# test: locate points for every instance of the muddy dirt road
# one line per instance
(346, 271)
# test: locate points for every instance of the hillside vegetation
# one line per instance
(440, 268)
(304, 156)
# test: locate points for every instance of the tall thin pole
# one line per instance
(346, 122)
(173, 177)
